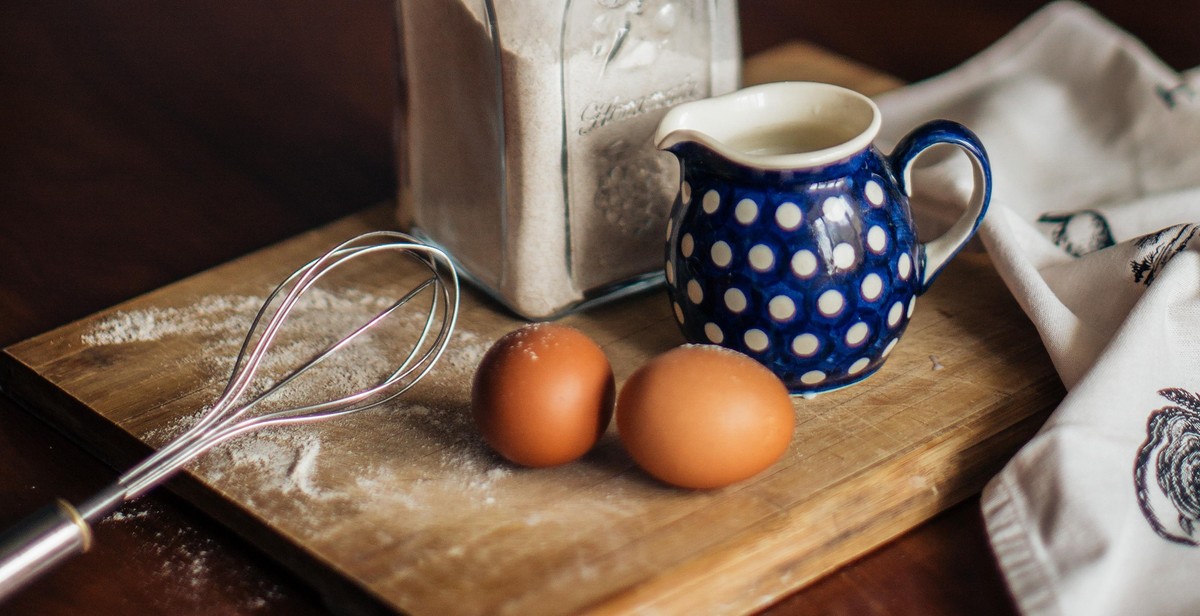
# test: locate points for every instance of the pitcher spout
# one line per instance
(779, 126)
(683, 125)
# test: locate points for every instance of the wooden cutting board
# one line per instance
(404, 508)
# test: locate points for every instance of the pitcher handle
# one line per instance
(936, 253)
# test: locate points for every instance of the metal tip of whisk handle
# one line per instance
(39, 543)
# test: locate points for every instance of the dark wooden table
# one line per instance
(141, 142)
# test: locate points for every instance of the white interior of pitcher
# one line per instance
(786, 125)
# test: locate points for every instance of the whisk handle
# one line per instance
(39, 543)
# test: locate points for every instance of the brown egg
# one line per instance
(543, 395)
(702, 416)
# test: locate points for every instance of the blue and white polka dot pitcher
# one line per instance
(791, 238)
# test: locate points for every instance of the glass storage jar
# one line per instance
(523, 136)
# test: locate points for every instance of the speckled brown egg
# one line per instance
(702, 416)
(543, 395)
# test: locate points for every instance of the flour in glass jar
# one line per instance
(567, 198)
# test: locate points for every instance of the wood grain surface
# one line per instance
(404, 508)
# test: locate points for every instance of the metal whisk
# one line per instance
(59, 531)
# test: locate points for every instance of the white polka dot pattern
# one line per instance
(830, 303)
(735, 300)
(788, 216)
(687, 245)
(835, 209)
(761, 258)
(818, 284)
(871, 287)
(805, 345)
(843, 256)
(857, 334)
(877, 239)
(782, 308)
(874, 193)
(756, 340)
(904, 266)
(721, 254)
(812, 377)
(746, 211)
(804, 263)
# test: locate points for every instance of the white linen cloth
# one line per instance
(1095, 151)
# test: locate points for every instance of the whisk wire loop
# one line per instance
(226, 419)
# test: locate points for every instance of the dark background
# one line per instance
(141, 142)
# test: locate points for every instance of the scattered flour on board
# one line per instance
(324, 480)
(210, 314)
(288, 459)
(191, 562)
(285, 459)
(282, 460)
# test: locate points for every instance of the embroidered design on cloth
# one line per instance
(1155, 249)
(1171, 454)
(1171, 96)
(1077, 233)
